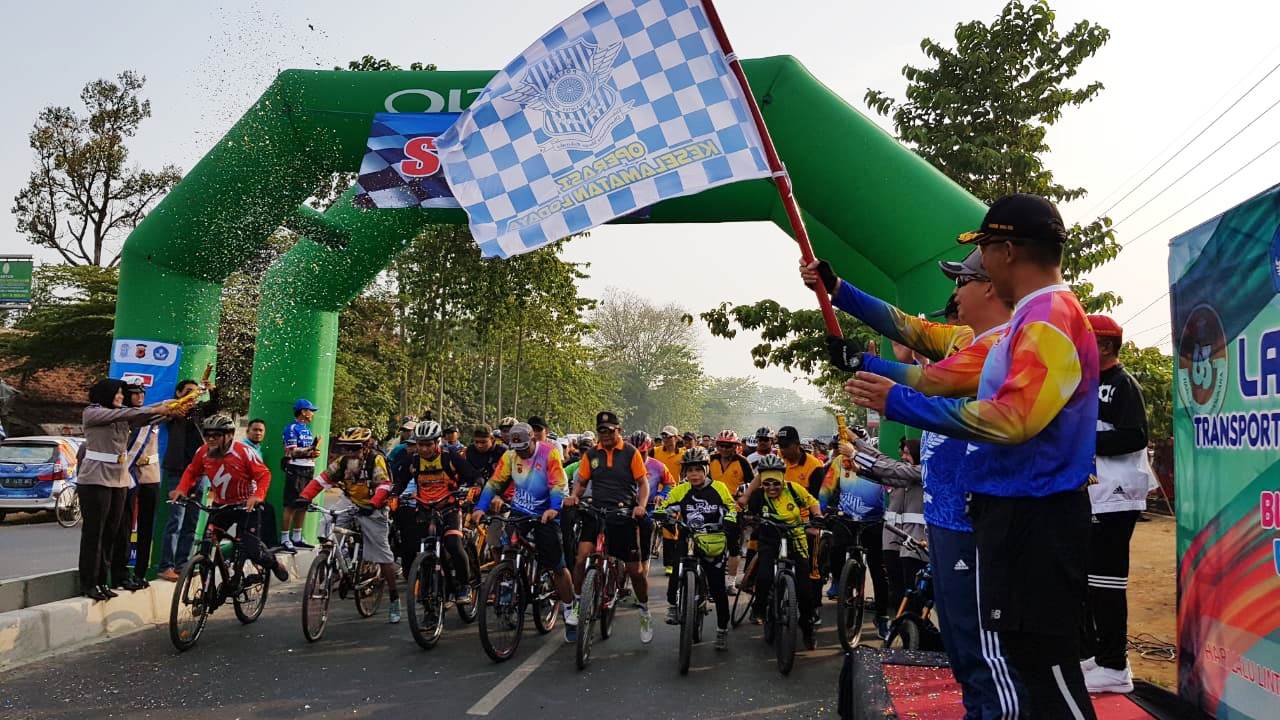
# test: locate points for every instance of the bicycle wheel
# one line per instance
(588, 609)
(609, 601)
(315, 597)
(501, 612)
(904, 633)
(688, 617)
(467, 611)
(255, 582)
(701, 614)
(746, 595)
(788, 621)
(851, 605)
(426, 606)
(369, 589)
(546, 601)
(67, 507)
(189, 610)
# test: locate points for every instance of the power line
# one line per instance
(1161, 326)
(1192, 140)
(1145, 308)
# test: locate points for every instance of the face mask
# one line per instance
(353, 465)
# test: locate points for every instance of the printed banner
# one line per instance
(151, 364)
(400, 167)
(15, 281)
(1224, 277)
(624, 104)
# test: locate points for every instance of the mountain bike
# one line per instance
(339, 561)
(432, 585)
(603, 582)
(851, 586)
(216, 573)
(912, 628)
(782, 614)
(513, 584)
(693, 596)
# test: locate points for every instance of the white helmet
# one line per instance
(426, 430)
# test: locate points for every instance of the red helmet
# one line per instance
(727, 436)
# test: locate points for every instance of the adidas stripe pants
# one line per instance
(1106, 616)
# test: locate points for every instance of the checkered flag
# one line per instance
(624, 104)
(400, 167)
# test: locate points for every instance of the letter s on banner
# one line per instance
(420, 157)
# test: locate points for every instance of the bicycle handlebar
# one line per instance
(184, 500)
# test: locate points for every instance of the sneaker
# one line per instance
(302, 545)
(731, 588)
(817, 618)
(570, 633)
(287, 546)
(168, 574)
(673, 615)
(280, 572)
(882, 626)
(722, 639)
(393, 612)
(833, 592)
(1088, 664)
(571, 614)
(1107, 680)
(646, 627)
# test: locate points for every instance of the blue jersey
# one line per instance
(941, 460)
(855, 496)
(297, 435)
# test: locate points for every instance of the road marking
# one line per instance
(500, 691)
(765, 711)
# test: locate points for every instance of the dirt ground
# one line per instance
(1152, 595)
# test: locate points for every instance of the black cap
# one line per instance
(1023, 216)
(536, 423)
(450, 429)
(788, 435)
(606, 418)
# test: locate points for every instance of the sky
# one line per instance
(1169, 69)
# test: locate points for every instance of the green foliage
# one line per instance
(70, 323)
(370, 358)
(980, 113)
(1154, 372)
(83, 198)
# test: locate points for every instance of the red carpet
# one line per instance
(930, 693)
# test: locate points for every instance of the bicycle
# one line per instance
(603, 583)
(199, 593)
(851, 601)
(692, 593)
(514, 583)
(782, 614)
(912, 628)
(431, 586)
(340, 559)
(66, 506)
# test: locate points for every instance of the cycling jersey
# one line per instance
(613, 473)
(660, 480)
(853, 495)
(808, 473)
(670, 459)
(941, 463)
(1032, 428)
(539, 481)
(298, 436)
(233, 477)
(367, 486)
(436, 478)
(734, 474)
(709, 504)
(791, 507)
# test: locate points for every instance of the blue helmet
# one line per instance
(304, 404)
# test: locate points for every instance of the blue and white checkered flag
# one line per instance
(624, 104)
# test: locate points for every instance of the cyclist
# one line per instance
(237, 477)
(535, 472)
(614, 473)
(660, 482)
(731, 469)
(789, 502)
(504, 427)
(668, 451)
(569, 515)
(702, 501)
(396, 458)
(361, 474)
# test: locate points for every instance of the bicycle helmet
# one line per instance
(771, 463)
(641, 440)
(520, 436)
(507, 422)
(218, 424)
(727, 436)
(695, 456)
(764, 432)
(426, 430)
(353, 438)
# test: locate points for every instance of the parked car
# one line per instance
(33, 470)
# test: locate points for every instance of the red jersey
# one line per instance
(234, 477)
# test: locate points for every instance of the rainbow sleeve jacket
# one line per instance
(1032, 426)
(539, 481)
(933, 340)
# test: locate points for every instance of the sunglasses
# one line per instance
(727, 446)
(966, 279)
(771, 483)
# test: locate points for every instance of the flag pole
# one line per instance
(780, 177)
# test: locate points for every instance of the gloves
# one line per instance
(843, 354)
(829, 279)
(365, 511)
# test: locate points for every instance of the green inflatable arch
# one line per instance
(878, 212)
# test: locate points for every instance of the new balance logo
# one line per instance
(960, 565)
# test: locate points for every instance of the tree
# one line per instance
(70, 323)
(1154, 372)
(981, 112)
(82, 199)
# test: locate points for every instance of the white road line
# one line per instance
(500, 691)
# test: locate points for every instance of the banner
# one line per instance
(1224, 279)
(400, 167)
(15, 282)
(151, 364)
(624, 104)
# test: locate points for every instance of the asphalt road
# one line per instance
(371, 669)
(30, 548)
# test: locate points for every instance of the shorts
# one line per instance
(296, 477)
(374, 535)
(646, 538)
(547, 540)
(621, 537)
(1032, 559)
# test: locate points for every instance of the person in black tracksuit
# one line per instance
(1119, 496)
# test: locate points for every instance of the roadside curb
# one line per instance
(36, 632)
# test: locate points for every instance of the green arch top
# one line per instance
(878, 212)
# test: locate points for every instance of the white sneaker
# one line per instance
(1106, 680)
(1088, 664)
(571, 614)
(646, 627)
(731, 587)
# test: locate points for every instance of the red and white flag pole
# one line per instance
(780, 176)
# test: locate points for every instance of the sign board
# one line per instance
(15, 281)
